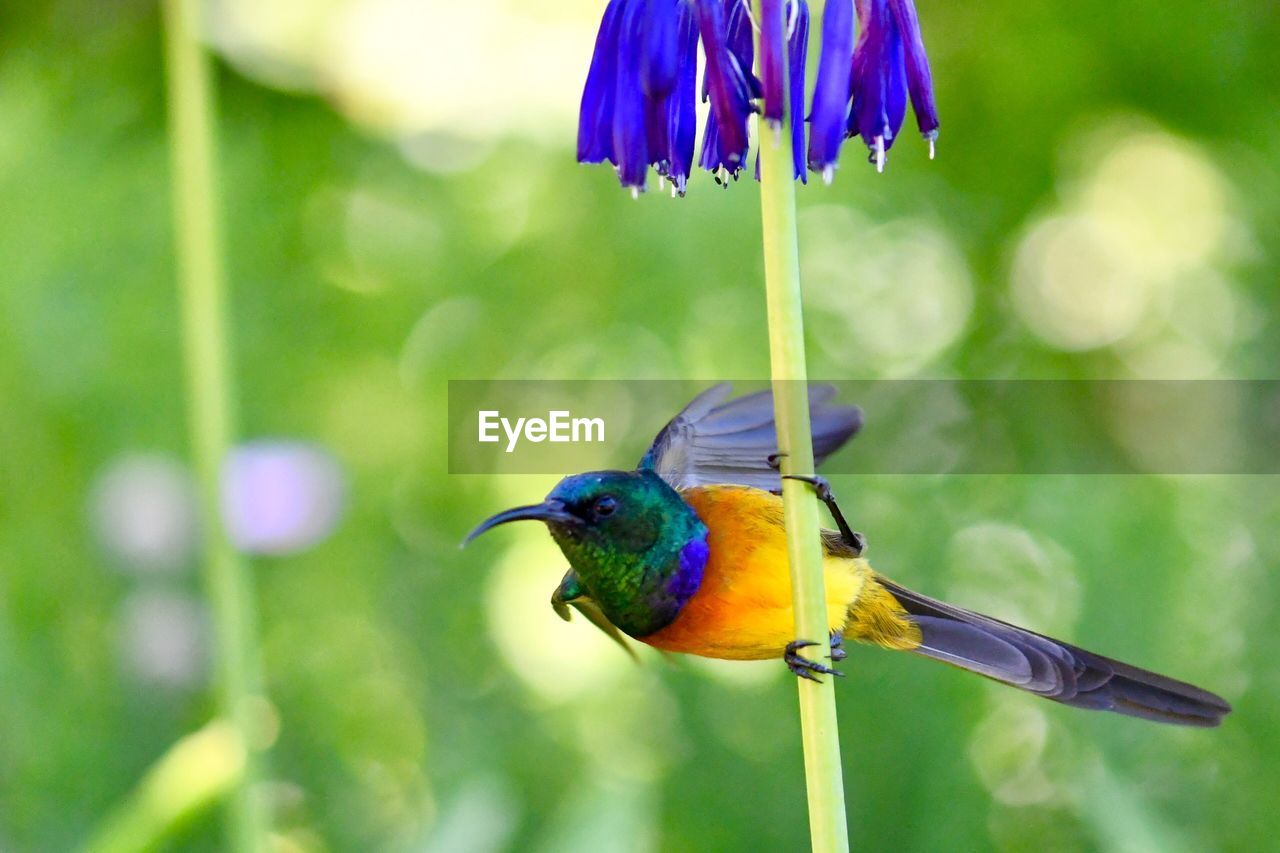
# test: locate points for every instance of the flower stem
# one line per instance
(209, 389)
(820, 736)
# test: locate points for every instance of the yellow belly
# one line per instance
(742, 610)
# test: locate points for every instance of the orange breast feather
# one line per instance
(742, 610)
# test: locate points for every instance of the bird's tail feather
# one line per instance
(1051, 668)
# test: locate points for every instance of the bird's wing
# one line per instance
(713, 442)
(570, 593)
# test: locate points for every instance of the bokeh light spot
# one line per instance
(1006, 750)
(164, 638)
(1131, 255)
(142, 508)
(1074, 286)
(886, 299)
(1012, 574)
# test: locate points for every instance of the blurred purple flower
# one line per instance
(281, 497)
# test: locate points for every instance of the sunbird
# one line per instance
(687, 553)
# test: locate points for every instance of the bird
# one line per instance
(687, 554)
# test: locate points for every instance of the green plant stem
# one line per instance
(192, 775)
(228, 584)
(821, 738)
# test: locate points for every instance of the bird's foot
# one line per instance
(802, 666)
(822, 489)
(774, 461)
(837, 647)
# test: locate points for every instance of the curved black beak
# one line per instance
(551, 509)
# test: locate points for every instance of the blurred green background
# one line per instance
(402, 208)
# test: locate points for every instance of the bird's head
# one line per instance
(637, 547)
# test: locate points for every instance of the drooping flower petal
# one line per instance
(630, 107)
(879, 80)
(797, 50)
(919, 78)
(709, 159)
(830, 111)
(742, 48)
(729, 87)
(681, 105)
(656, 130)
(595, 117)
(773, 58)
(661, 53)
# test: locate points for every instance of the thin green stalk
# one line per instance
(209, 395)
(821, 738)
(191, 776)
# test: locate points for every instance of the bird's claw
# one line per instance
(802, 666)
(837, 647)
(774, 461)
(822, 489)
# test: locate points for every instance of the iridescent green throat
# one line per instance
(636, 548)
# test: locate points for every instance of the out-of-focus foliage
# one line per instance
(1105, 204)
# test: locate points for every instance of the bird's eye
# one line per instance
(605, 506)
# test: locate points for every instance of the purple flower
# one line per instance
(863, 88)
(639, 103)
(595, 116)
(797, 50)
(640, 96)
(772, 60)
(728, 84)
(682, 103)
(832, 91)
(793, 19)
(919, 78)
(632, 107)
